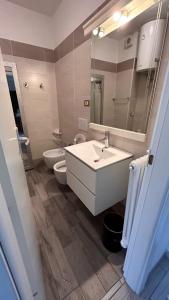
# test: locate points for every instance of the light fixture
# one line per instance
(128, 12)
(96, 31)
(124, 18)
(101, 33)
(116, 16)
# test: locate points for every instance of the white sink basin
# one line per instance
(101, 153)
(95, 155)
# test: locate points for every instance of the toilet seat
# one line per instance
(60, 166)
(60, 171)
(53, 156)
(54, 152)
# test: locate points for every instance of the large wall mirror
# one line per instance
(124, 69)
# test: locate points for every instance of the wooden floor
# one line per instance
(76, 266)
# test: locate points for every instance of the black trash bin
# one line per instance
(112, 232)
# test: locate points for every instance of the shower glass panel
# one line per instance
(96, 93)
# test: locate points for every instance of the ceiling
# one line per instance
(47, 7)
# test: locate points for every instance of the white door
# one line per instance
(20, 209)
(17, 277)
(149, 238)
(18, 111)
(8, 289)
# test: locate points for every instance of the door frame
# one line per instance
(152, 202)
(13, 67)
(15, 189)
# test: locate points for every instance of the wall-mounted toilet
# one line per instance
(60, 167)
(53, 156)
(60, 171)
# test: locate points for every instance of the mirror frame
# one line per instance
(132, 135)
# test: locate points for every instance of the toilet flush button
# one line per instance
(83, 124)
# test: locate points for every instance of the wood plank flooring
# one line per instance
(76, 266)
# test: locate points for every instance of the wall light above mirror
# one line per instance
(125, 64)
(124, 15)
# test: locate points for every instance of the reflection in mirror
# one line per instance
(125, 66)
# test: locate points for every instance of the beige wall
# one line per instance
(25, 25)
(40, 105)
(73, 86)
(70, 14)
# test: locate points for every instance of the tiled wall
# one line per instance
(142, 103)
(10, 47)
(73, 87)
(39, 105)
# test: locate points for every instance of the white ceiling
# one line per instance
(47, 7)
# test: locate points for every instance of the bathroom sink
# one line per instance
(101, 153)
(95, 155)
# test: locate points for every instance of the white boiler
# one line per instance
(149, 47)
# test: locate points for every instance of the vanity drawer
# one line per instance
(82, 192)
(84, 174)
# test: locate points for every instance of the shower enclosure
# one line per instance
(97, 99)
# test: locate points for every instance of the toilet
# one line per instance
(60, 171)
(60, 167)
(53, 156)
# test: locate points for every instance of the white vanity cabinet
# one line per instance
(97, 187)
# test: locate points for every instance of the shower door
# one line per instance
(97, 105)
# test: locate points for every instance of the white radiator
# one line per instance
(137, 168)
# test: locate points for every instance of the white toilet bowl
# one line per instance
(60, 171)
(53, 156)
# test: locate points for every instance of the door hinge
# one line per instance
(150, 159)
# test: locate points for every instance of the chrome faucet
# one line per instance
(106, 140)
